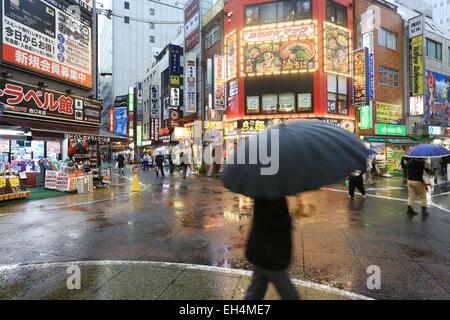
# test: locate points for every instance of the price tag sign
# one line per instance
(2, 183)
(14, 182)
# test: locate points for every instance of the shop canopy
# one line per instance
(57, 130)
(394, 141)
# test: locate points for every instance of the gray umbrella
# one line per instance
(312, 154)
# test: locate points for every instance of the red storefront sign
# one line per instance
(303, 31)
(32, 102)
(111, 119)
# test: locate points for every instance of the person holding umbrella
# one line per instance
(305, 156)
(416, 170)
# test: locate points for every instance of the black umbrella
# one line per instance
(312, 154)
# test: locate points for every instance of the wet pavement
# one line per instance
(197, 222)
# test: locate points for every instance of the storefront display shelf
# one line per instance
(14, 196)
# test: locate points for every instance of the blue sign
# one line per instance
(174, 60)
(437, 99)
(121, 122)
(371, 76)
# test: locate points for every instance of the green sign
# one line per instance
(365, 117)
(390, 130)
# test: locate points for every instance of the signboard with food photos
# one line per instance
(337, 48)
(279, 50)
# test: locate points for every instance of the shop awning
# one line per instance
(396, 141)
(43, 129)
(403, 142)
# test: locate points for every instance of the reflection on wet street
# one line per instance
(196, 221)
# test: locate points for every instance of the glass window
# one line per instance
(270, 103)
(434, 49)
(337, 94)
(253, 104)
(268, 13)
(336, 13)
(127, 5)
(389, 77)
(251, 15)
(287, 102)
(342, 85)
(332, 85)
(286, 11)
(126, 20)
(387, 39)
(304, 9)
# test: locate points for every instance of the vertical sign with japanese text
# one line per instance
(191, 88)
(219, 83)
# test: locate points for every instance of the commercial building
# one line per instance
(428, 78)
(286, 60)
(380, 61)
(135, 32)
(47, 88)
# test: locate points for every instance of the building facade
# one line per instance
(48, 86)
(287, 60)
(135, 33)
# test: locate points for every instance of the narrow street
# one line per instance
(153, 244)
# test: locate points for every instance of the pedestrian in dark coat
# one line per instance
(269, 249)
(355, 181)
(121, 163)
(159, 160)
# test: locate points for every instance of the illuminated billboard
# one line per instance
(48, 39)
(337, 49)
(291, 48)
(231, 55)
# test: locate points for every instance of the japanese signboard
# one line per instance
(175, 116)
(360, 70)
(174, 62)
(121, 122)
(437, 99)
(219, 83)
(416, 26)
(48, 39)
(389, 113)
(83, 137)
(191, 88)
(390, 130)
(337, 46)
(282, 50)
(30, 101)
(111, 120)
(365, 117)
(231, 55)
(175, 97)
(192, 24)
(417, 66)
(154, 129)
(154, 97)
(416, 107)
(279, 34)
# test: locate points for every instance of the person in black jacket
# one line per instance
(416, 185)
(159, 160)
(269, 249)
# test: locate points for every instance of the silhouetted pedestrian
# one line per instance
(269, 249)
(355, 181)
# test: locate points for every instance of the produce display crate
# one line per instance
(14, 196)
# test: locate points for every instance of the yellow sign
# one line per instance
(417, 70)
(174, 80)
(213, 125)
(2, 183)
(14, 182)
(389, 113)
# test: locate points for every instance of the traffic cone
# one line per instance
(136, 187)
